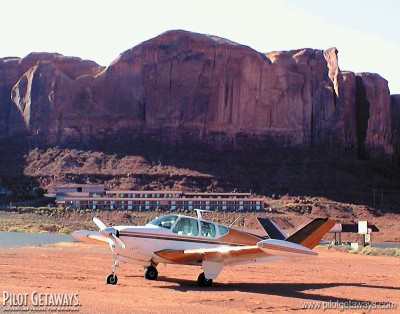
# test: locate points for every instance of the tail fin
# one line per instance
(310, 235)
(272, 229)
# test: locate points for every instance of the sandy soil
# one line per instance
(331, 279)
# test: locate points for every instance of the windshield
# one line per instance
(164, 221)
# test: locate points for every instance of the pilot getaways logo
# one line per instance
(40, 302)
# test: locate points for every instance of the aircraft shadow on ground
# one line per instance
(292, 290)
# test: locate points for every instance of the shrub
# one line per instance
(64, 230)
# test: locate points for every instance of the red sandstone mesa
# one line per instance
(217, 90)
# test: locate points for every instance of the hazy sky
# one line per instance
(366, 32)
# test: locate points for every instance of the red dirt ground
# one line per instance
(332, 279)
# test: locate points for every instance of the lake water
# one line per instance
(386, 244)
(23, 238)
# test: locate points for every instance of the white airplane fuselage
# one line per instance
(142, 243)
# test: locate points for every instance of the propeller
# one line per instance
(108, 232)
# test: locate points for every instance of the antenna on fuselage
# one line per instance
(199, 211)
(235, 220)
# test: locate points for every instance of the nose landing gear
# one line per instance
(112, 278)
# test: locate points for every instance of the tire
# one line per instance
(150, 273)
(111, 279)
(203, 281)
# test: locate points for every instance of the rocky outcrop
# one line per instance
(183, 84)
(395, 112)
(37, 92)
(374, 116)
(9, 75)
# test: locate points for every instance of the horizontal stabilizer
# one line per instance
(284, 248)
(271, 228)
(311, 234)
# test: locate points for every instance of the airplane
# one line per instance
(180, 239)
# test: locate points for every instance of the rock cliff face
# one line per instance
(183, 84)
(37, 91)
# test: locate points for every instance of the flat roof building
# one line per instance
(164, 200)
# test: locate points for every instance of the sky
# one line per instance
(365, 32)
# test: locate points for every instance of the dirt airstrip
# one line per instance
(333, 281)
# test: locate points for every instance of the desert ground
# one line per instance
(333, 280)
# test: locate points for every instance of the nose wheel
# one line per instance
(112, 278)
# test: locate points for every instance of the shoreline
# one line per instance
(12, 239)
(54, 220)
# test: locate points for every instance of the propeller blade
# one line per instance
(119, 241)
(109, 232)
(99, 223)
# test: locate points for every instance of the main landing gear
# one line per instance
(202, 281)
(150, 273)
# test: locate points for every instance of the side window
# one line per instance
(207, 229)
(186, 226)
(222, 230)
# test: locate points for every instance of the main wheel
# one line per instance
(150, 273)
(111, 279)
(203, 281)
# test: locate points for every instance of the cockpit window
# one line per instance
(186, 226)
(222, 230)
(164, 221)
(207, 229)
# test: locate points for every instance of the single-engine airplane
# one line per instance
(180, 239)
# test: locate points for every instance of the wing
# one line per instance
(91, 237)
(229, 255)
(222, 254)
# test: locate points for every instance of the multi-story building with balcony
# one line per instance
(165, 200)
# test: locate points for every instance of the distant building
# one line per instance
(162, 200)
(75, 190)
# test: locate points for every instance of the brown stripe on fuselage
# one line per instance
(233, 237)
